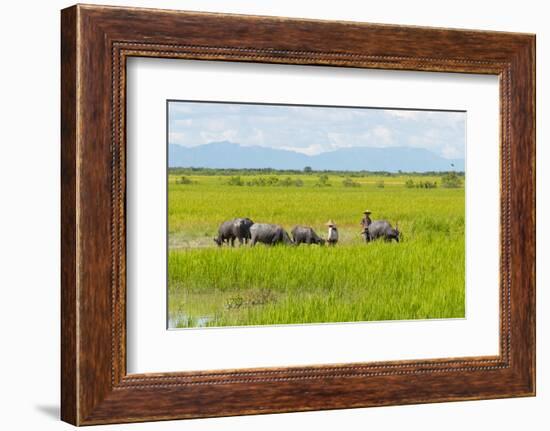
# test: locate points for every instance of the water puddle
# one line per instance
(180, 319)
(210, 309)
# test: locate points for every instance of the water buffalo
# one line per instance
(243, 229)
(383, 229)
(306, 235)
(269, 234)
(230, 230)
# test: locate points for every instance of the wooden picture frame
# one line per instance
(95, 43)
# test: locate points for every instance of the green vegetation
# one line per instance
(420, 277)
(307, 169)
(266, 181)
(451, 181)
(348, 182)
(184, 180)
(421, 184)
(323, 181)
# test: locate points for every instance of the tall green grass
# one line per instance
(420, 277)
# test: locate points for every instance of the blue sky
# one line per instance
(314, 130)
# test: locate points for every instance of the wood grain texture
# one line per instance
(69, 367)
(96, 41)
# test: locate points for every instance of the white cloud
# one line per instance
(177, 138)
(257, 137)
(429, 139)
(450, 152)
(408, 115)
(216, 125)
(310, 150)
(222, 135)
(442, 118)
(180, 108)
(184, 123)
(383, 134)
(340, 140)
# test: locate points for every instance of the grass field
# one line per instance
(420, 277)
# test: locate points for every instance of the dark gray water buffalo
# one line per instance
(243, 226)
(226, 233)
(269, 234)
(306, 235)
(383, 229)
(229, 231)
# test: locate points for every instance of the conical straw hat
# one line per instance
(330, 223)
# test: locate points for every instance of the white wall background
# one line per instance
(29, 216)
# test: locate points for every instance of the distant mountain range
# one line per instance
(231, 155)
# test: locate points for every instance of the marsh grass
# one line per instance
(421, 277)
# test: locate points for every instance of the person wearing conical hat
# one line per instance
(332, 237)
(365, 223)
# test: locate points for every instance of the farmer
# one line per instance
(332, 237)
(365, 223)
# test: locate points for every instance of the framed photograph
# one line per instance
(264, 214)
